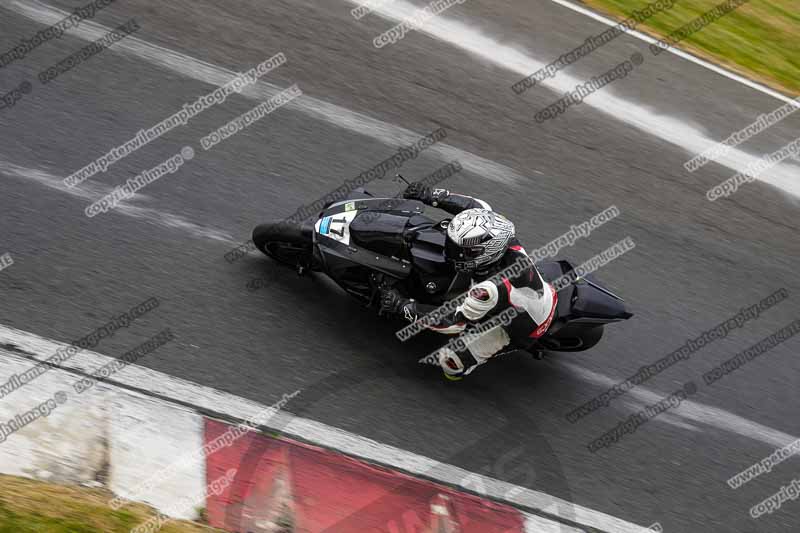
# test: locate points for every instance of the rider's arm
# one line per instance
(455, 203)
(449, 319)
(443, 199)
(439, 319)
(481, 300)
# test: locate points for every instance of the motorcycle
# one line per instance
(364, 244)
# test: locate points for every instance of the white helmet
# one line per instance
(476, 238)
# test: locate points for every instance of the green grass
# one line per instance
(28, 506)
(760, 39)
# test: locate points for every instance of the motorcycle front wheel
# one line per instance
(288, 243)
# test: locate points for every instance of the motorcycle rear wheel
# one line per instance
(587, 339)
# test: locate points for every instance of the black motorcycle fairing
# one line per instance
(388, 205)
(393, 237)
(584, 300)
(339, 258)
(591, 302)
(380, 232)
(427, 249)
(434, 275)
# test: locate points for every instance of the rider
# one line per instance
(480, 243)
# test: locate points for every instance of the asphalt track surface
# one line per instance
(695, 262)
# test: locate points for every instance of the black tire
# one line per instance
(285, 242)
(588, 339)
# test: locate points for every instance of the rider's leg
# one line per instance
(462, 355)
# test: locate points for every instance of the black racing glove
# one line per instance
(419, 191)
(394, 304)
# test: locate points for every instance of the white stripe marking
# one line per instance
(316, 432)
(341, 117)
(87, 191)
(93, 191)
(692, 411)
(676, 130)
(537, 524)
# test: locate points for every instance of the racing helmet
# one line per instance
(476, 239)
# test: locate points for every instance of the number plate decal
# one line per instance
(336, 227)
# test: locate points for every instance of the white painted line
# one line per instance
(88, 191)
(341, 117)
(322, 434)
(91, 191)
(537, 524)
(675, 130)
(680, 53)
(691, 411)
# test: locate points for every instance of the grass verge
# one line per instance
(28, 506)
(759, 40)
